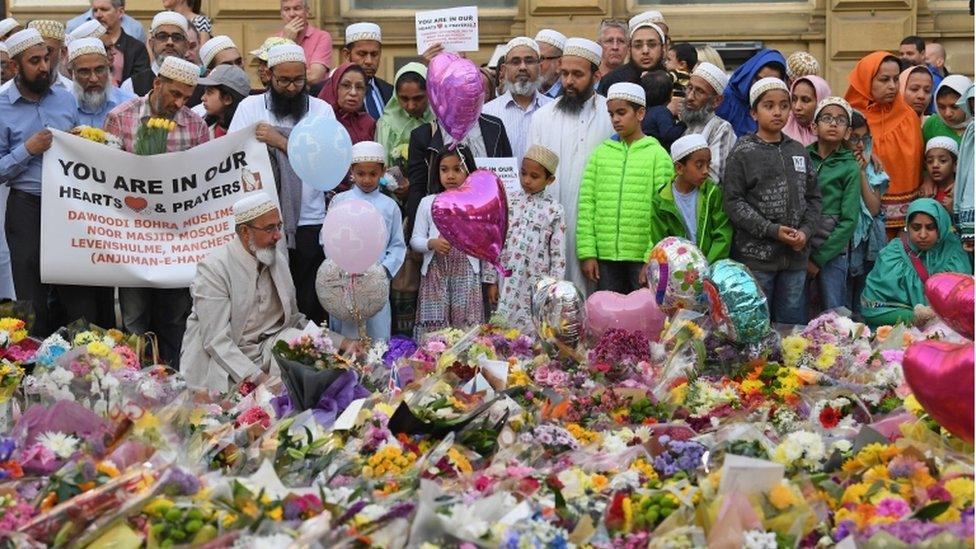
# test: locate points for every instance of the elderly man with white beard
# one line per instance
(243, 303)
(522, 97)
(703, 95)
(90, 73)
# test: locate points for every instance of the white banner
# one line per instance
(454, 28)
(111, 218)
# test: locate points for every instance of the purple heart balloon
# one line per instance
(456, 93)
(474, 216)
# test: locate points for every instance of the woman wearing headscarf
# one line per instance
(407, 109)
(735, 103)
(962, 202)
(915, 87)
(950, 120)
(345, 90)
(895, 289)
(805, 93)
(895, 130)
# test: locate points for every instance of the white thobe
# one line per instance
(572, 138)
(720, 137)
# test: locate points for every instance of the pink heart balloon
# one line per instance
(474, 216)
(634, 312)
(456, 92)
(951, 296)
(940, 374)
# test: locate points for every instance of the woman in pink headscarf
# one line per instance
(915, 87)
(805, 93)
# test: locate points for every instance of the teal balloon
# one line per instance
(320, 152)
(736, 302)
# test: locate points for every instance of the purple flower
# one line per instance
(7, 447)
(182, 483)
(282, 405)
(399, 347)
(892, 507)
(337, 397)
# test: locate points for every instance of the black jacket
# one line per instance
(386, 90)
(423, 146)
(628, 72)
(142, 84)
(134, 55)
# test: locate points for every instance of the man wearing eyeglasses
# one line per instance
(648, 40)
(89, 69)
(615, 44)
(521, 98)
(168, 37)
(551, 44)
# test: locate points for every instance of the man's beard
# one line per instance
(571, 102)
(158, 108)
(265, 256)
(91, 101)
(39, 85)
(695, 117)
(523, 88)
(283, 107)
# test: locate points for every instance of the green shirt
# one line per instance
(934, 126)
(839, 179)
(714, 229)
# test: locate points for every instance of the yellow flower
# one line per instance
(751, 386)
(275, 513)
(854, 493)
(643, 467)
(628, 510)
(828, 355)
(97, 348)
(518, 378)
(911, 404)
(793, 347)
(781, 497)
(107, 468)
(949, 515)
(147, 421)
(599, 482)
(584, 436)
(679, 393)
(961, 489)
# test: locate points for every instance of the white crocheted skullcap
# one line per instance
(943, 142)
(834, 100)
(521, 41)
(8, 25)
(368, 151)
(712, 74)
(84, 46)
(649, 16)
(363, 31)
(88, 29)
(215, 45)
(640, 21)
(48, 28)
(180, 70)
(286, 53)
(252, 207)
(764, 85)
(686, 145)
(545, 157)
(20, 41)
(628, 91)
(552, 37)
(587, 49)
(169, 18)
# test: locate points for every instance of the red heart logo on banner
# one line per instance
(136, 204)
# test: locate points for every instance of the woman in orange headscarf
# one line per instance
(895, 128)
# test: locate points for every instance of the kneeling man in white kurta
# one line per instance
(243, 302)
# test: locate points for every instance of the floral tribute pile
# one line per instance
(481, 439)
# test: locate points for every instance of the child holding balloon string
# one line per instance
(450, 286)
(535, 244)
(368, 166)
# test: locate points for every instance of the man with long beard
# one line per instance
(243, 302)
(702, 96)
(52, 32)
(572, 126)
(29, 109)
(90, 72)
(158, 310)
(521, 99)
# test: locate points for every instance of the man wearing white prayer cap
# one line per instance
(515, 107)
(647, 43)
(703, 95)
(168, 37)
(220, 50)
(6, 67)
(243, 302)
(364, 44)
(572, 127)
(54, 36)
(89, 69)
(551, 44)
(8, 26)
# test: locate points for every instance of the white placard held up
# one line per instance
(507, 169)
(455, 28)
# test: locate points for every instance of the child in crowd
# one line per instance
(613, 236)
(952, 119)
(772, 198)
(226, 86)
(535, 246)
(869, 235)
(368, 166)
(450, 286)
(941, 154)
(690, 206)
(680, 61)
(839, 178)
(660, 120)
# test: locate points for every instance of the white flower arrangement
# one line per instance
(60, 444)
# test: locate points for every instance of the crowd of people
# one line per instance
(833, 198)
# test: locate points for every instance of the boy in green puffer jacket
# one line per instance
(691, 205)
(613, 229)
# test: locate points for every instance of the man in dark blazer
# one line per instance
(135, 58)
(364, 43)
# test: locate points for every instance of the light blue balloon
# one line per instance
(320, 152)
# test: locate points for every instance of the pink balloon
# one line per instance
(634, 312)
(354, 235)
(456, 92)
(940, 374)
(951, 296)
(474, 216)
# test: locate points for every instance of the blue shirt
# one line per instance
(114, 98)
(131, 27)
(554, 90)
(21, 118)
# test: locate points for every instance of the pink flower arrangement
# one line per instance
(252, 416)
(128, 356)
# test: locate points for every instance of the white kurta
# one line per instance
(225, 292)
(254, 108)
(572, 138)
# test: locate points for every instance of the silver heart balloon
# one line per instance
(346, 296)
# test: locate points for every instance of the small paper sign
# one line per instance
(347, 420)
(506, 169)
(749, 475)
(455, 28)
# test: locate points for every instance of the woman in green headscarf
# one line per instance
(407, 109)
(895, 289)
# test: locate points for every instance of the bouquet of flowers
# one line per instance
(152, 136)
(97, 135)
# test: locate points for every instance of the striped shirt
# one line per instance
(124, 122)
(720, 137)
(515, 119)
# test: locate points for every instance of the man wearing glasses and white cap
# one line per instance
(168, 38)
(551, 44)
(647, 42)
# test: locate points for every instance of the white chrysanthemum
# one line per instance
(61, 376)
(614, 445)
(756, 539)
(843, 445)
(60, 444)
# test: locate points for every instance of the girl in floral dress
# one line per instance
(450, 285)
(535, 244)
